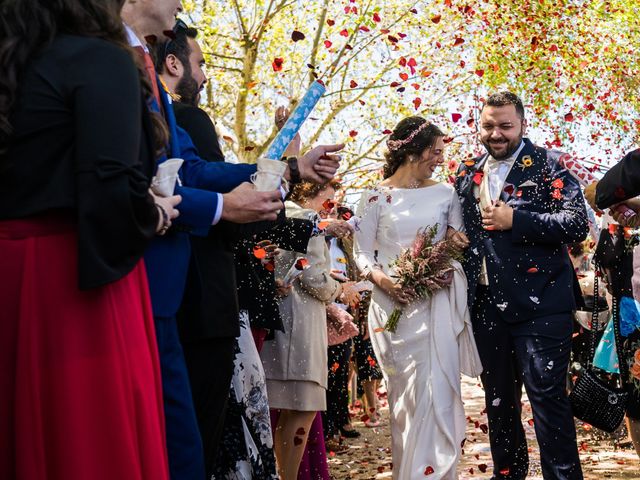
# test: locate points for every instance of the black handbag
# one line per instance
(592, 399)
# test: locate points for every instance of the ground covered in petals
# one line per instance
(369, 457)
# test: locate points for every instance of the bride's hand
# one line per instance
(459, 239)
(395, 290)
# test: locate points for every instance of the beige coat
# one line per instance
(300, 353)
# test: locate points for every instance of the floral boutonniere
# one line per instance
(477, 177)
(526, 162)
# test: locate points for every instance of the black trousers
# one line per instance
(534, 353)
(210, 367)
(337, 414)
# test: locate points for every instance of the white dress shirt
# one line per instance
(498, 170)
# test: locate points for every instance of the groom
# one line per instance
(520, 209)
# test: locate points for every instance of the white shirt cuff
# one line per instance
(218, 215)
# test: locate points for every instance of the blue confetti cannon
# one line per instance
(295, 121)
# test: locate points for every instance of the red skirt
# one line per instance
(80, 385)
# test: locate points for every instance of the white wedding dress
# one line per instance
(434, 342)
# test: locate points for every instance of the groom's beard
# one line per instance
(512, 146)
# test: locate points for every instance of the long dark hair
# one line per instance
(401, 147)
(29, 26)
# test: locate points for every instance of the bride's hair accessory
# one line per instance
(393, 145)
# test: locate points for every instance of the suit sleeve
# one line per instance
(566, 223)
(621, 182)
(316, 279)
(293, 234)
(214, 176)
(197, 209)
(116, 214)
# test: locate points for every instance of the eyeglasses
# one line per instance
(172, 34)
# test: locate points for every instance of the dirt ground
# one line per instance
(369, 457)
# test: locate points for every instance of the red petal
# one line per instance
(277, 64)
(456, 117)
(429, 470)
(296, 36)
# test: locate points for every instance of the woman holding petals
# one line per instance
(295, 361)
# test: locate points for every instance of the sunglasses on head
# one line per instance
(172, 34)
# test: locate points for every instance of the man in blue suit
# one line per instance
(520, 209)
(210, 192)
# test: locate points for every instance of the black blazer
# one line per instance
(79, 146)
(529, 270)
(621, 182)
(256, 284)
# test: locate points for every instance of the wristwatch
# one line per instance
(294, 171)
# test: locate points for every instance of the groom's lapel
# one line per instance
(520, 171)
(468, 182)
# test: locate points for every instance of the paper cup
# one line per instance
(269, 174)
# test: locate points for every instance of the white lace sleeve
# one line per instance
(454, 219)
(366, 230)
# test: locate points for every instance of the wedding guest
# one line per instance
(340, 331)
(621, 183)
(295, 361)
(204, 203)
(79, 372)
(368, 371)
(520, 209)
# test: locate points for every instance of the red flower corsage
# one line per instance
(556, 194)
(557, 183)
(477, 177)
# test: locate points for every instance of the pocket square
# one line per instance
(528, 183)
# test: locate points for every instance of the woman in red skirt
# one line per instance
(80, 391)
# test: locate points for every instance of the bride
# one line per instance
(434, 342)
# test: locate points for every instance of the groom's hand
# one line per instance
(497, 217)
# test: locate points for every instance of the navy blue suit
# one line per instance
(167, 260)
(523, 319)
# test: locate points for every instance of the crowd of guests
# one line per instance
(209, 333)
(134, 319)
